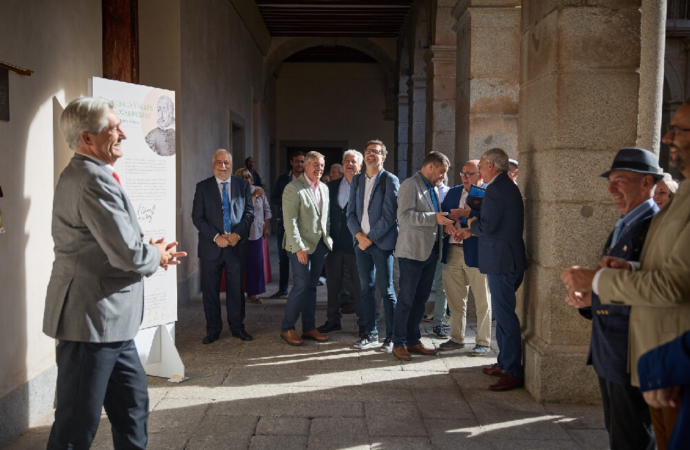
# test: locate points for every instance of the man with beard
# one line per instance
(297, 163)
(657, 289)
(162, 138)
(371, 218)
(418, 249)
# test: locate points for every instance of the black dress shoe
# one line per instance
(329, 326)
(280, 294)
(210, 338)
(242, 335)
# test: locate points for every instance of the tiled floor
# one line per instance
(265, 394)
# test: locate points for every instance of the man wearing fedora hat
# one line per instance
(658, 288)
(632, 178)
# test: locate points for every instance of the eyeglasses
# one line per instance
(673, 130)
(468, 174)
(373, 152)
(247, 177)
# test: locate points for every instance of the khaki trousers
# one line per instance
(663, 420)
(457, 278)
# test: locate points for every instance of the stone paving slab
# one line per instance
(265, 394)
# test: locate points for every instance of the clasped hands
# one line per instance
(578, 280)
(168, 255)
(363, 241)
(229, 239)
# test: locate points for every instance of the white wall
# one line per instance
(333, 102)
(63, 47)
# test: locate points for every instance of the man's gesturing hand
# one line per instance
(168, 256)
(441, 219)
(578, 279)
(663, 398)
(457, 213)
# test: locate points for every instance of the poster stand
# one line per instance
(158, 354)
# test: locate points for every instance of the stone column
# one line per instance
(488, 68)
(416, 144)
(579, 104)
(440, 103)
(402, 131)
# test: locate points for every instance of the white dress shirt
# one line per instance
(368, 186)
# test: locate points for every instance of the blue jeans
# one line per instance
(302, 298)
(502, 287)
(416, 279)
(375, 266)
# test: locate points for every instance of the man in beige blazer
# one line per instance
(307, 241)
(658, 289)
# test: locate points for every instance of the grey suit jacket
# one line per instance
(95, 293)
(417, 221)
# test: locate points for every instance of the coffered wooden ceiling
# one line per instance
(334, 18)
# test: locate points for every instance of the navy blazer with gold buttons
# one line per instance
(608, 350)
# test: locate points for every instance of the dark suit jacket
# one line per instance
(277, 194)
(207, 213)
(470, 245)
(608, 349)
(383, 209)
(500, 227)
(666, 366)
(342, 238)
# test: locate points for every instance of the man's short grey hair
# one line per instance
(84, 114)
(313, 155)
(437, 159)
(499, 158)
(219, 151)
(358, 156)
(670, 183)
(339, 167)
(384, 152)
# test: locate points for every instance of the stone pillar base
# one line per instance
(558, 373)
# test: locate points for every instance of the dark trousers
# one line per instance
(338, 264)
(92, 376)
(375, 266)
(302, 298)
(233, 261)
(626, 416)
(283, 259)
(416, 279)
(502, 287)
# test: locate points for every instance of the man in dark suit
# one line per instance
(460, 271)
(341, 260)
(297, 163)
(95, 298)
(626, 416)
(249, 164)
(502, 258)
(223, 212)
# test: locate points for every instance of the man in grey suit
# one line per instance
(95, 299)
(418, 249)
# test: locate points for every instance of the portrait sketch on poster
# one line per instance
(147, 173)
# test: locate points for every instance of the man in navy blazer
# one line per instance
(626, 416)
(665, 383)
(502, 258)
(460, 270)
(223, 212)
(372, 220)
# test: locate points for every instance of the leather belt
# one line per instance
(456, 244)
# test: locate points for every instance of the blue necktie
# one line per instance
(617, 232)
(227, 223)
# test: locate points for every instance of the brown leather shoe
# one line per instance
(291, 337)
(494, 371)
(314, 335)
(420, 349)
(402, 353)
(507, 382)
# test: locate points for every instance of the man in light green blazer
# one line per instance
(307, 241)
